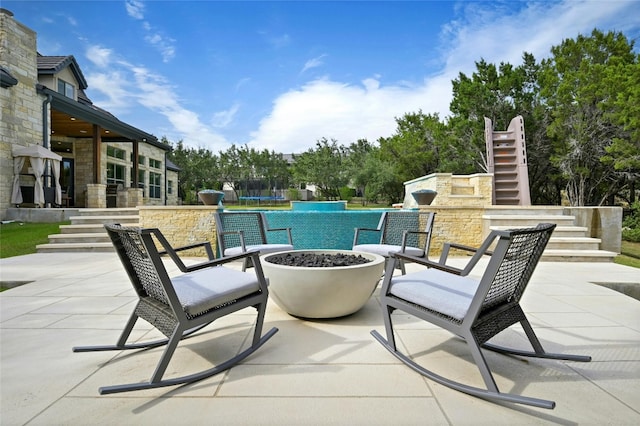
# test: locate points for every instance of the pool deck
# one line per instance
(310, 372)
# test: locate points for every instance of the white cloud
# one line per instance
(313, 63)
(347, 112)
(324, 108)
(135, 9)
(125, 89)
(222, 119)
(100, 56)
(164, 45)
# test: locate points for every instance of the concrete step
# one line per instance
(74, 247)
(90, 238)
(525, 211)
(87, 228)
(86, 220)
(560, 231)
(129, 211)
(580, 243)
(521, 221)
(553, 255)
(86, 232)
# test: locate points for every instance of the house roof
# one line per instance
(172, 166)
(82, 111)
(94, 115)
(50, 65)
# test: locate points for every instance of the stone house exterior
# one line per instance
(105, 162)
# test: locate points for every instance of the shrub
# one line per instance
(631, 224)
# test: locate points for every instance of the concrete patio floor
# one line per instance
(311, 372)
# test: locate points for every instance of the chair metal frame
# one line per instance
(239, 232)
(160, 305)
(399, 231)
(493, 306)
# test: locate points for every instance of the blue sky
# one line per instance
(282, 75)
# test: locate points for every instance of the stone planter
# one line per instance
(323, 292)
(424, 197)
(211, 197)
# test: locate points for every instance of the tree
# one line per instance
(574, 85)
(357, 164)
(624, 152)
(198, 170)
(323, 167)
(415, 147)
(501, 93)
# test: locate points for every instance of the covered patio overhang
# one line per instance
(67, 118)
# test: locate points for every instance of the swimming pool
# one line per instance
(323, 229)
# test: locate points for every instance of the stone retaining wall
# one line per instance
(182, 225)
(462, 225)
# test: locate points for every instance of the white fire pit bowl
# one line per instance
(316, 292)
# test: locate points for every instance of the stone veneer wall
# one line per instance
(462, 225)
(182, 225)
(20, 105)
(453, 190)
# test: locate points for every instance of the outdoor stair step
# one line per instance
(580, 243)
(90, 238)
(124, 211)
(555, 255)
(88, 228)
(75, 247)
(80, 220)
(525, 211)
(560, 231)
(528, 220)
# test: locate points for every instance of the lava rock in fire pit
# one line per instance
(317, 260)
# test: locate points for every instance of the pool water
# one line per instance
(323, 229)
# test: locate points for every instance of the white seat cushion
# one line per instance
(263, 248)
(202, 290)
(436, 290)
(384, 249)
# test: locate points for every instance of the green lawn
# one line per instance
(18, 238)
(630, 255)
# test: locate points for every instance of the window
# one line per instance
(156, 164)
(115, 152)
(170, 187)
(141, 174)
(66, 89)
(115, 173)
(154, 184)
(141, 160)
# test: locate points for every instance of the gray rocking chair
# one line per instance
(180, 306)
(239, 232)
(401, 231)
(475, 310)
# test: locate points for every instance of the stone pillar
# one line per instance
(96, 196)
(134, 197)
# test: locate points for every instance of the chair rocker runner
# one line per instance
(475, 310)
(180, 306)
(403, 231)
(239, 232)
